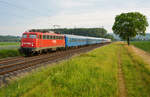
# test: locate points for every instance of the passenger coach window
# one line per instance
(24, 36)
(32, 36)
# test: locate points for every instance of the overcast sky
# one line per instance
(17, 16)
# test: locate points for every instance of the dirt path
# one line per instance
(144, 55)
(122, 88)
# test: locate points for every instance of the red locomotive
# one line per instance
(37, 42)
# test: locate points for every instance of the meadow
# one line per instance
(4, 53)
(93, 74)
(9, 49)
(136, 73)
(9, 43)
(144, 45)
(90, 74)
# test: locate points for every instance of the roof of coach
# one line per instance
(75, 36)
(84, 37)
(95, 38)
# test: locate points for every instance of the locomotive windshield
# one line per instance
(24, 36)
(32, 36)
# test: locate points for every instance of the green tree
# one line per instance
(128, 25)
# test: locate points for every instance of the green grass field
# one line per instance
(9, 43)
(136, 74)
(93, 74)
(9, 49)
(144, 45)
(9, 53)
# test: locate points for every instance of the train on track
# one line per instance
(36, 42)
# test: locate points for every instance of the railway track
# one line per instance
(14, 66)
(9, 60)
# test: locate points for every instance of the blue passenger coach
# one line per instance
(75, 40)
(93, 40)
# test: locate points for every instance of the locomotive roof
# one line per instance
(48, 33)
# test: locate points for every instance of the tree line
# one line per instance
(91, 32)
(9, 38)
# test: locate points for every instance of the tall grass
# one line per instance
(93, 74)
(9, 49)
(9, 53)
(145, 45)
(137, 76)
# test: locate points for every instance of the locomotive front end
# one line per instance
(28, 43)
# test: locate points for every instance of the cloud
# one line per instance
(71, 4)
(90, 19)
(80, 13)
